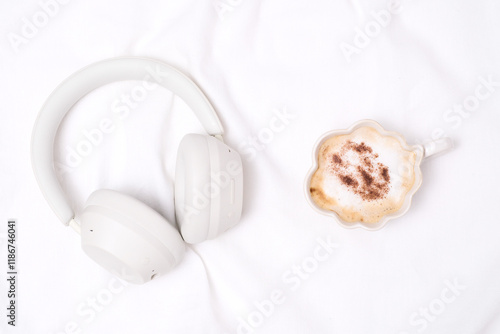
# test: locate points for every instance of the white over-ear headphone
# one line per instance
(119, 232)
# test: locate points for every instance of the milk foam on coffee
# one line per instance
(362, 176)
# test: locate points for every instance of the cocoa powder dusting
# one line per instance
(368, 162)
(347, 180)
(362, 174)
(361, 148)
(385, 174)
(366, 177)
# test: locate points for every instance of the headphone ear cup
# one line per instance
(128, 238)
(208, 187)
(192, 173)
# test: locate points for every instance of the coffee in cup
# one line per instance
(364, 175)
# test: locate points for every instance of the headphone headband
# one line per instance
(83, 82)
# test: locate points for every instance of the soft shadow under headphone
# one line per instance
(119, 232)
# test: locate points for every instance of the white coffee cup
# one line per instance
(410, 167)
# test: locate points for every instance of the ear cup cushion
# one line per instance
(192, 174)
(208, 187)
(127, 237)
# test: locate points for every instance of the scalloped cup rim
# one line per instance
(418, 149)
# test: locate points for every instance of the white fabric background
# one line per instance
(251, 59)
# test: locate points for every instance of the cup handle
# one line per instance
(436, 147)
